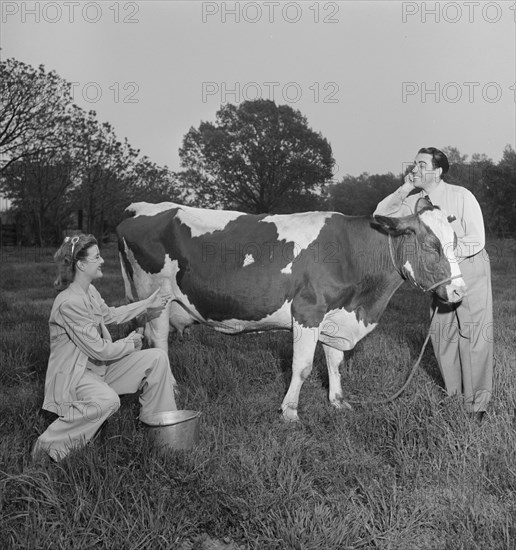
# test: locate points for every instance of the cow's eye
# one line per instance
(433, 248)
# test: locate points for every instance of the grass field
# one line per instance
(413, 474)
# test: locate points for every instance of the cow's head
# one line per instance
(423, 249)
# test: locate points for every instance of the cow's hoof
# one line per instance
(290, 414)
(341, 403)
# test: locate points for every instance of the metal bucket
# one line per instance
(173, 429)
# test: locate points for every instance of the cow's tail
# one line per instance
(127, 271)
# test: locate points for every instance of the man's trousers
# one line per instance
(462, 336)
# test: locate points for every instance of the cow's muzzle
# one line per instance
(435, 285)
(456, 292)
(451, 293)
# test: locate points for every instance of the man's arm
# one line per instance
(395, 204)
(472, 222)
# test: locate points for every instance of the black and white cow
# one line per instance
(325, 276)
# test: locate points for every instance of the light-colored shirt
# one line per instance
(78, 335)
(458, 203)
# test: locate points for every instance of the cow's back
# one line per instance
(229, 265)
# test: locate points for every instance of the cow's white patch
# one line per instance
(199, 220)
(287, 269)
(149, 209)
(301, 229)
(334, 360)
(182, 312)
(408, 267)
(438, 223)
(341, 330)
(248, 260)
(125, 276)
(202, 221)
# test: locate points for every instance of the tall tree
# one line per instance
(257, 157)
(33, 109)
(103, 163)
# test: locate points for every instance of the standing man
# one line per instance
(462, 334)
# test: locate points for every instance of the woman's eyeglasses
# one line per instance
(94, 259)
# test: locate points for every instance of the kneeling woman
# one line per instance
(87, 371)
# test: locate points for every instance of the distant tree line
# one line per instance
(57, 160)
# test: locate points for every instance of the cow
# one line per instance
(324, 276)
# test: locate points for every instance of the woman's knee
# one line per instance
(107, 403)
(158, 365)
(158, 357)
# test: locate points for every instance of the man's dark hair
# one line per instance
(439, 159)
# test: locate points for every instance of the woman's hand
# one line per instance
(136, 338)
(156, 303)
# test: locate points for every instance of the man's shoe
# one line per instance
(477, 416)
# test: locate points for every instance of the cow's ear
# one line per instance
(396, 226)
(424, 203)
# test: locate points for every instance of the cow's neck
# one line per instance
(376, 260)
(402, 249)
(390, 277)
(376, 278)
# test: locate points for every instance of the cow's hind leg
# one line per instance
(334, 359)
(305, 340)
(156, 332)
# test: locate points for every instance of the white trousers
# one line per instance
(97, 399)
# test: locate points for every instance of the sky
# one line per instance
(378, 80)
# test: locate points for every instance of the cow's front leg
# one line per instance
(334, 359)
(305, 340)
